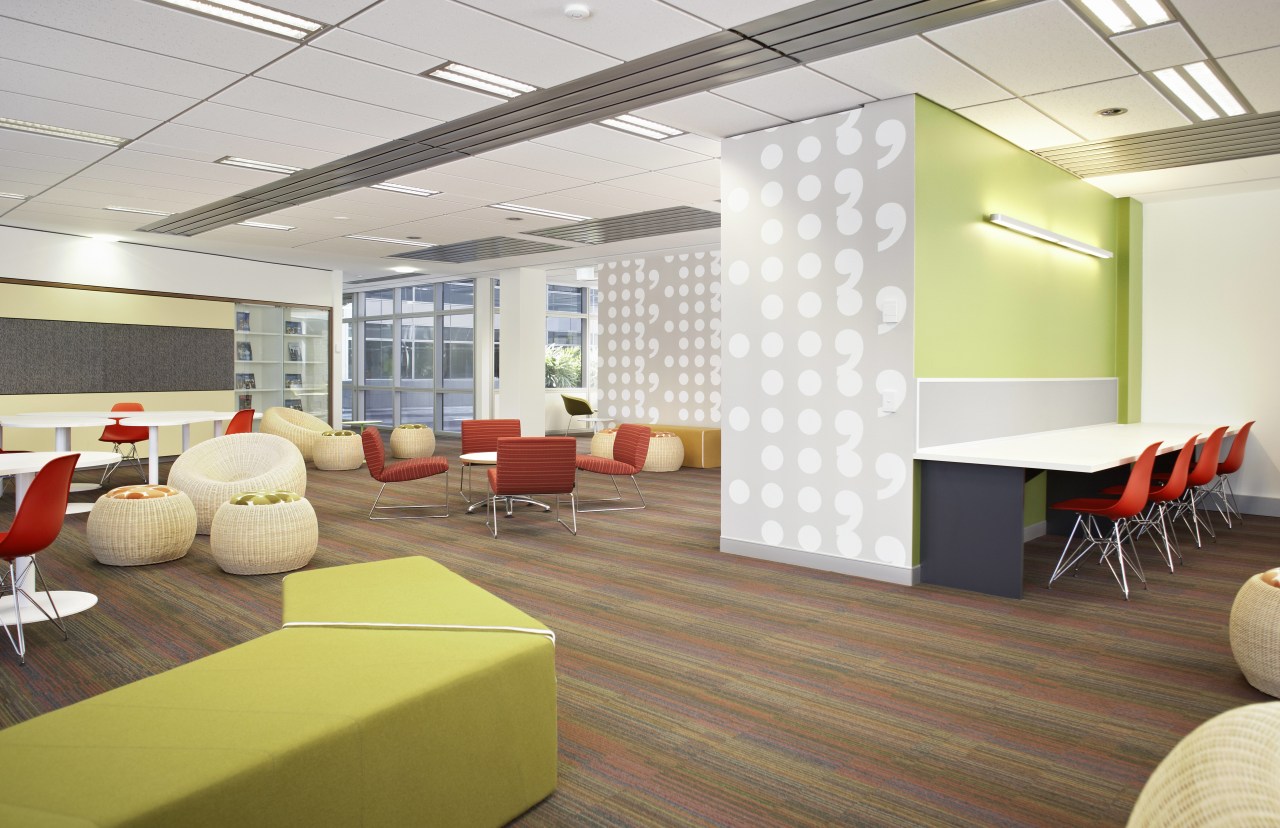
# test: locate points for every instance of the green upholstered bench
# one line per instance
(397, 694)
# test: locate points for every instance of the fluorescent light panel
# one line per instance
(1019, 226)
(642, 126)
(1120, 15)
(404, 188)
(264, 225)
(142, 210)
(460, 75)
(538, 211)
(13, 195)
(406, 242)
(1212, 84)
(1200, 88)
(250, 164)
(252, 15)
(62, 132)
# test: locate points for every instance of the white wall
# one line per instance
(1211, 327)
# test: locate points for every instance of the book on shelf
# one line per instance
(244, 351)
(244, 401)
(295, 404)
(242, 320)
(246, 381)
(293, 381)
(295, 352)
(292, 327)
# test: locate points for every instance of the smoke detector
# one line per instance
(577, 11)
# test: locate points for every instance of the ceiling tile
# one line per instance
(41, 163)
(100, 59)
(92, 196)
(72, 116)
(1236, 175)
(325, 11)
(318, 108)
(54, 147)
(710, 115)
(28, 176)
(709, 147)
(482, 169)
(726, 15)
(603, 142)
(235, 121)
(156, 28)
(461, 33)
(372, 50)
(1036, 48)
(391, 207)
(151, 178)
(68, 87)
(261, 236)
(1020, 124)
(88, 182)
(131, 157)
(912, 65)
(667, 186)
(552, 160)
(1255, 74)
(706, 172)
(630, 201)
(1159, 47)
(794, 94)
(88, 219)
(349, 78)
(1230, 28)
(487, 191)
(1077, 108)
(624, 29)
(207, 145)
(565, 203)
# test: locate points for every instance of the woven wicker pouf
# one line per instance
(602, 443)
(338, 451)
(1255, 631)
(412, 440)
(255, 533)
(666, 452)
(136, 525)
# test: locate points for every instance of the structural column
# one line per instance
(522, 349)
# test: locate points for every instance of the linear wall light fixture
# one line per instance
(1026, 229)
(250, 164)
(62, 132)
(251, 15)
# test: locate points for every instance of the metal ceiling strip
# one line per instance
(1184, 134)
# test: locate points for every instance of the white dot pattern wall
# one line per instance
(819, 257)
(660, 324)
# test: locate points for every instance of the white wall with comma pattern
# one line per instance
(659, 344)
(818, 389)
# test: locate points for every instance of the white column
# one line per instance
(336, 355)
(522, 357)
(484, 347)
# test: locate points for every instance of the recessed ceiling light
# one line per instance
(103, 237)
(264, 226)
(1192, 82)
(577, 11)
(1178, 85)
(1120, 15)
(142, 210)
(404, 270)
(404, 188)
(13, 195)
(642, 126)
(1211, 83)
(62, 132)
(538, 211)
(250, 164)
(461, 75)
(386, 240)
(252, 15)
(1112, 111)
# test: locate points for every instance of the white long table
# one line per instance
(971, 509)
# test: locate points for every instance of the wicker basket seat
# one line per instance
(1255, 631)
(338, 451)
(666, 452)
(412, 440)
(212, 471)
(137, 525)
(298, 427)
(260, 532)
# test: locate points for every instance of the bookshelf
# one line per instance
(282, 358)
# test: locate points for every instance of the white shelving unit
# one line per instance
(282, 358)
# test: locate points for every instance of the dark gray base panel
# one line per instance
(971, 527)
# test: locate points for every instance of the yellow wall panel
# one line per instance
(73, 305)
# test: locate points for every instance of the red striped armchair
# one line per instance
(630, 448)
(534, 465)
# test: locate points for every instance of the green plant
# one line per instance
(564, 366)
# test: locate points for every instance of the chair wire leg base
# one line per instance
(444, 506)
(20, 644)
(618, 497)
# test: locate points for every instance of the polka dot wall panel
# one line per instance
(660, 339)
(818, 250)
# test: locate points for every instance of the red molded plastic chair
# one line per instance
(1117, 510)
(1201, 475)
(1165, 492)
(241, 423)
(1220, 488)
(417, 468)
(534, 466)
(630, 448)
(34, 528)
(478, 436)
(122, 435)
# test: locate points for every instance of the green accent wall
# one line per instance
(1129, 308)
(994, 303)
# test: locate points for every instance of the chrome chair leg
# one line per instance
(444, 505)
(614, 479)
(573, 508)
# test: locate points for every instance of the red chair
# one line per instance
(1202, 474)
(241, 423)
(1120, 511)
(34, 528)
(122, 435)
(1220, 488)
(534, 466)
(1165, 492)
(416, 468)
(479, 436)
(630, 448)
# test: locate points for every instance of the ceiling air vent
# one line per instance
(477, 250)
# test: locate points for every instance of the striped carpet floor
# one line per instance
(699, 688)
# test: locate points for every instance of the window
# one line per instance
(567, 319)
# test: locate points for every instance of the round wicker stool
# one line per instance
(602, 443)
(1255, 631)
(412, 440)
(338, 451)
(255, 533)
(135, 525)
(666, 453)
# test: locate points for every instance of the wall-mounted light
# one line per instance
(1048, 235)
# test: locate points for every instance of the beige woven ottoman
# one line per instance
(602, 443)
(255, 533)
(1255, 631)
(338, 451)
(666, 453)
(136, 525)
(412, 440)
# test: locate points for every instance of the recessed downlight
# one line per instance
(1112, 111)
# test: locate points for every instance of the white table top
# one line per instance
(67, 419)
(1086, 449)
(28, 462)
(481, 458)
